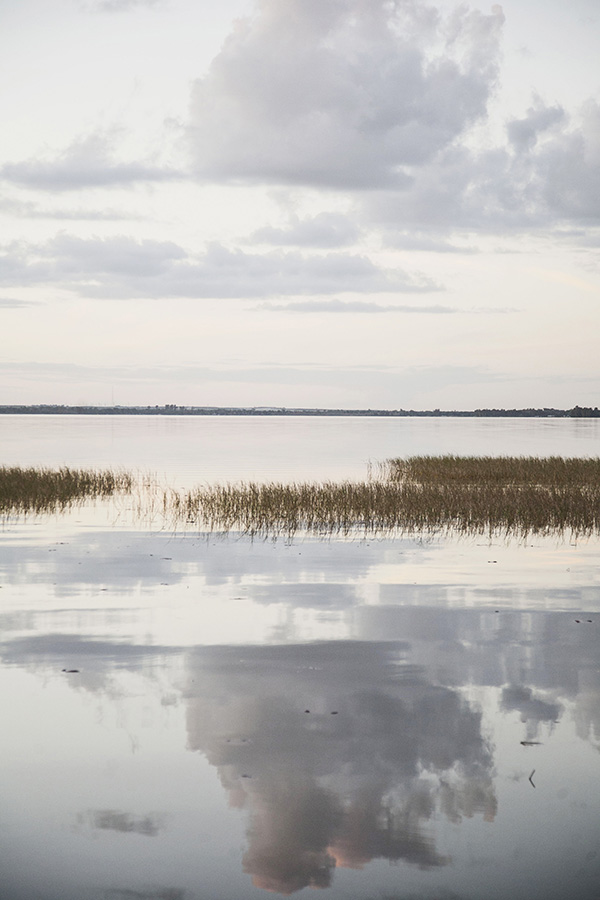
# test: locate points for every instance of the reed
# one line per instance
(467, 495)
(551, 471)
(41, 490)
(464, 495)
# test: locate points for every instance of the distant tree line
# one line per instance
(172, 409)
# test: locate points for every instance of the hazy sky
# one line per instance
(357, 203)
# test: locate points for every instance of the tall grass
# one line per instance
(557, 471)
(469, 495)
(40, 490)
(381, 508)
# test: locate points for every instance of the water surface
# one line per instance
(187, 450)
(402, 718)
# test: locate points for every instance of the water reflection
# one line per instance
(533, 710)
(342, 753)
(116, 820)
(160, 894)
(249, 716)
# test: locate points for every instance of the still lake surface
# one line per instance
(413, 717)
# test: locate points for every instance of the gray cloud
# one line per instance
(13, 303)
(86, 163)
(381, 98)
(120, 267)
(548, 176)
(403, 240)
(523, 133)
(342, 95)
(323, 230)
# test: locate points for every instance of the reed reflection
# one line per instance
(341, 753)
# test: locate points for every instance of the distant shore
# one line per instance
(171, 409)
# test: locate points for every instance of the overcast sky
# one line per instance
(332, 203)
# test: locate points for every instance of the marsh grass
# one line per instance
(485, 471)
(39, 490)
(466, 495)
(469, 495)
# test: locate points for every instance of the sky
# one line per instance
(306, 203)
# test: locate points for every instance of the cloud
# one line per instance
(421, 242)
(13, 303)
(121, 5)
(121, 267)
(353, 306)
(547, 177)
(345, 94)
(323, 230)
(523, 133)
(86, 163)
(25, 209)
(378, 387)
(390, 100)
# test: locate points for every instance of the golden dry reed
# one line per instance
(39, 490)
(468, 495)
(490, 470)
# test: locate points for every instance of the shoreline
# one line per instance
(171, 409)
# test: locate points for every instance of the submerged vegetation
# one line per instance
(468, 495)
(39, 490)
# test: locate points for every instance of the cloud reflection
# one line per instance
(533, 709)
(116, 820)
(160, 894)
(341, 752)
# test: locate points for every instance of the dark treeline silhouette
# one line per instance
(171, 409)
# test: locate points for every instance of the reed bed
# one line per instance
(466, 495)
(40, 490)
(550, 471)
(474, 497)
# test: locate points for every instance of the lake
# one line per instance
(189, 715)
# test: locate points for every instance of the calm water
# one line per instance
(188, 450)
(392, 719)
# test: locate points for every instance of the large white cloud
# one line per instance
(342, 94)
(391, 99)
